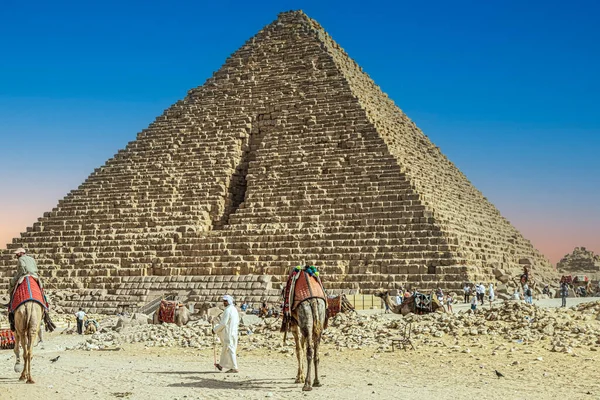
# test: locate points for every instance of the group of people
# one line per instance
(527, 294)
(479, 292)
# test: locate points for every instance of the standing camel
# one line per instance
(28, 317)
(307, 325)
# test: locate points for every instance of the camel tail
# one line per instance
(317, 325)
(30, 328)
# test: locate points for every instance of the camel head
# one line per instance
(382, 293)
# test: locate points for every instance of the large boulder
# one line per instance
(498, 273)
(214, 312)
(250, 320)
(135, 320)
(502, 289)
(504, 296)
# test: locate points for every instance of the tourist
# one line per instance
(264, 309)
(564, 293)
(528, 294)
(227, 329)
(449, 301)
(399, 298)
(244, 306)
(517, 294)
(481, 293)
(467, 292)
(491, 293)
(80, 315)
(440, 295)
(25, 266)
(546, 290)
(474, 303)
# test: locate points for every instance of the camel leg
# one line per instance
(316, 342)
(40, 336)
(31, 334)
(306, 329)
(17, 350)
(21, 316)
(309, 359)
(25, 362)
(299, 354)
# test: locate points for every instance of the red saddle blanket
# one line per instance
(334, 306)
(166, 312)
(27, 290)
(301, 285)
(307, 287)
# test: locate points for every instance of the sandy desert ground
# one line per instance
(456, 369)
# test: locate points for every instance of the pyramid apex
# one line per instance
(291, 13)
(295, 17)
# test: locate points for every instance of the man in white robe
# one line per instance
(227, 330)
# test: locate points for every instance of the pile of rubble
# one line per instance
(196, 334)
(558, 329)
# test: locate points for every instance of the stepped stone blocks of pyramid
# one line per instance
(288, 153)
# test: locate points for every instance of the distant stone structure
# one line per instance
(580, 260)
(288, 153)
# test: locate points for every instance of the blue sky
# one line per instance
(509, 90)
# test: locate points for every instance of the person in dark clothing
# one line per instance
(564, 292)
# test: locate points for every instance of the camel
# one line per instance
(28, 317)
(407, 305)
(182, 316)
(307, 325)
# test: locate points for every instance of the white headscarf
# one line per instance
(228, 299)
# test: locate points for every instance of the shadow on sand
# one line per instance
(229, 381)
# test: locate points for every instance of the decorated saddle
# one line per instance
(334, 306)
(303, 283)
(566, 279)
(422, 301)
(27, 289)
(166, 310)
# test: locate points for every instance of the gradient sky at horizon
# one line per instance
(508, 90)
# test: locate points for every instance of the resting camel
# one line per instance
(181, 317)
(28, 317)
(407, 305)
(308, 320)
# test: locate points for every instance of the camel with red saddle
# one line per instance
(28, 306)
(305, 315)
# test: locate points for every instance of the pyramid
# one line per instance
(289, 153)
